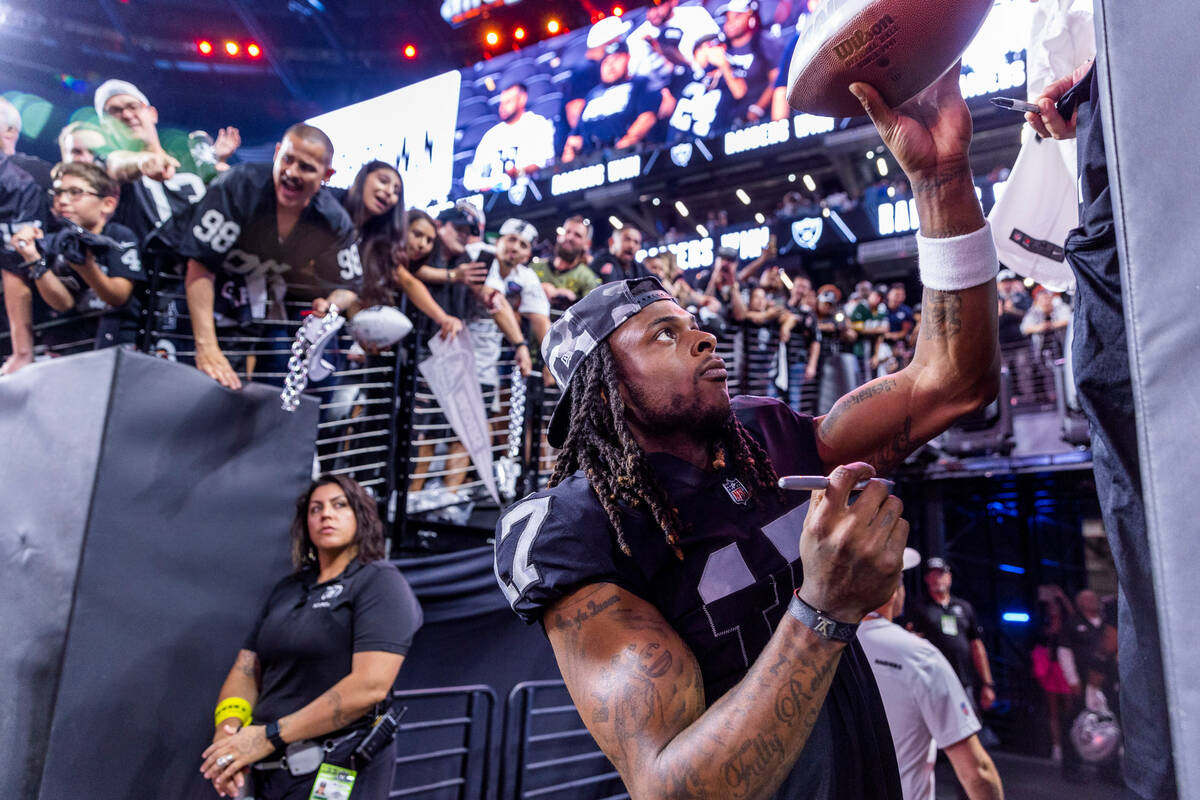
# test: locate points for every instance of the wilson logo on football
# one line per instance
(846, 48)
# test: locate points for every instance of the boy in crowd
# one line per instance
(90, 265)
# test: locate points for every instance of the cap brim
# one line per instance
(560, 421)
(911, 558)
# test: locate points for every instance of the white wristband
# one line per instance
(959, 262)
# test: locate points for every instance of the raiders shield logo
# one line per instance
(737, 492)
(807, 232)
(681, 154)
(516, 194)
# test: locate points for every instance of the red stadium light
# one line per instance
(253, 50)
(492, 38)
(618, 11)
(205, 47)
(410, 51)
(519, 34)
(231, 48)
(553, 26)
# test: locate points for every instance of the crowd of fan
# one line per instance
(243, 239)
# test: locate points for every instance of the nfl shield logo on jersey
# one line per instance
(737, 492)
(807, 232)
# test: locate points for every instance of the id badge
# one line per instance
(949, 625)
(333, 783)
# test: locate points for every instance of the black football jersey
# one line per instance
(725, 598)
(22, 203)
(703, 103)
(611, 108)
(120, 261)
(145, 204)
(234, 233)
(753, 63)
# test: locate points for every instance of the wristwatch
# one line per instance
(273, 735)
(822, 624)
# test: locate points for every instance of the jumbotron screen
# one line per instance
(663, 76)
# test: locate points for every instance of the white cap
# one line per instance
(519, 227)
(911, 558)
(110, 89)
(738, 7)
(606, 30)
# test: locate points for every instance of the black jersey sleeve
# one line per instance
(124, 260)
(386, 612)
(789, 437)
(214, 224)
(338, 266)
(552, 543)
(22, 203)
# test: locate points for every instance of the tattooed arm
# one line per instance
(640, 691)
(956, 366)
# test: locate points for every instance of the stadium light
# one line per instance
(703, 231)
(492, 38)
(791, 177)
(410, 51)
(681, 208)
(810, 183)
(759, 218)
(618, 11)
(205, 47)
(519, 34)
(232, 49)
(553, 26)
(616, 223)
(881, 166)
(253, 50)
(741, 195)
(655, 202)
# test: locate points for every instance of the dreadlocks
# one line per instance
(600, 443)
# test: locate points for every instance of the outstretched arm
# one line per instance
(956, 366)
(640, 691)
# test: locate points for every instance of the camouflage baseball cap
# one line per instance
(584, 326)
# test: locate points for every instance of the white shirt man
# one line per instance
(693, 22)
(926, 706)
(522, 142)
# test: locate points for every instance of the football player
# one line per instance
(263, 234)
(665, 563)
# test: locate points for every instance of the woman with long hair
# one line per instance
(322, 658)
(375, 203)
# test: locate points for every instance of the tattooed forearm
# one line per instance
(583, 613)
(941, 316)
(338, 716)
(853, 399)
(800, 698)
(247, 664)
(898, 448)
(754, 758)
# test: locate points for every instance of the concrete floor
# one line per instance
(1027, 778)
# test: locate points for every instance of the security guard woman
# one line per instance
(324, 652)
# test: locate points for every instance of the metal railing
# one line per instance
(547, 752)
(444, 743)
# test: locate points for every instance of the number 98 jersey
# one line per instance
(234, 233)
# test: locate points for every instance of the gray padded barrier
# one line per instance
(144, 513)
(1150, 136)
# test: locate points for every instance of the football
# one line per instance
(898, 46)
(380, 326)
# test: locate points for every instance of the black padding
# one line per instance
(187, 503)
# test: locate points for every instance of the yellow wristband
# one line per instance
(232, 707)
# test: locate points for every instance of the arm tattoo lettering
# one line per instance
(756, 756)
(942, 315)
(853, 399)
(588, 610)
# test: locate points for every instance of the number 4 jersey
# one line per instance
(234, 233)
(741, 548)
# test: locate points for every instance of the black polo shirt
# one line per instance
(308, 632)
(951, 629)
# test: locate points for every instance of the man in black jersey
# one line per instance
(754, 58)
(262, 235)
(618, 112)
(662, 559)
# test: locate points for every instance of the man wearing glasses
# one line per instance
(156, 184)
